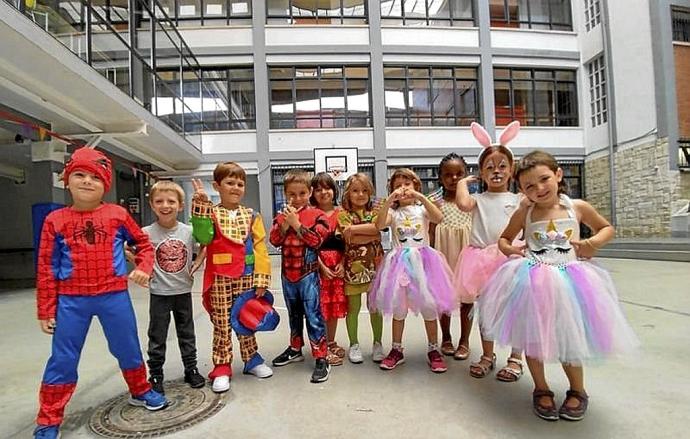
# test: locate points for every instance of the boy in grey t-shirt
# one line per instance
(171, 284)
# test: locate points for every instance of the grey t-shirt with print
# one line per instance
(173, 249)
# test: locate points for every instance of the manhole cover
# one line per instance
(116, 418)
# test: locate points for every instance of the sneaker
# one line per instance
(221, 384)
(47, 432)
(150, 400)
(288, 356)
(194, 378)
(355, 354)
(436, 362)
(157, 383)
(261, 371)
(321, 371)
(394, 358)
(377, 352)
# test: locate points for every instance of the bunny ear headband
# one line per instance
(507, 135)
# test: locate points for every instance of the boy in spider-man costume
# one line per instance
(82, 273)
(300, 230)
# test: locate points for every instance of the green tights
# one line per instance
(354, 304)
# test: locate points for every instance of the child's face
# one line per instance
(408, 186)
(323, 196)
(231, 191)
(359, 195)
(451, 173)
(496, 171)
(166, 205)
(86, 188)
(297, 194)
(540, 184)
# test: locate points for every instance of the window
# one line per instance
(681, 25)
(278, 174)
(316, 12)
(320, 97)
(592, 14)
(223, 101)
(531, 14)
(206, 12)
(427, 12)
(431, 96)
(535, 97)
(597, 91)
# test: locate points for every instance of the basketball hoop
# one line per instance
(336, 171)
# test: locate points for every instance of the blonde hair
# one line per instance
(167, 186)
(365, 181)
(296, 176)
(405, 173)
(229, 169)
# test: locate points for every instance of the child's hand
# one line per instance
(194, 268)
(291, 217)
(327, 272)
(416, 195)
(339, 270)
(397, 195)
(347, 234)
(513, 250)
(47, 326)
(140, 278)
(469, 180)
(259, 292)
(584, 249)
(199, 191)
(129, 254)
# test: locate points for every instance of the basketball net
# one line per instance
(335, 172)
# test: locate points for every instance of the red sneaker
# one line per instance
(394, 358)
(436, 362)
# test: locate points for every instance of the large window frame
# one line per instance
(506, 13)
(300, 78)
(680, 22)
(232, 12)
(592, 14)
(560, 82)
(408, 77)
(596, 72)
(293, 14)
(398, 12)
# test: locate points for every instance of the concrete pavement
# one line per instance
(647, 396)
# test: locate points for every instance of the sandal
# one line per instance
(333, 359)
(336, 350)
(509, 375)
(546, 412)
(462, 353)
(574, 413)
(479, 369)
(447, 347)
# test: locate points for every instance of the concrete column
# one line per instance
(486, 73)
(378, 106)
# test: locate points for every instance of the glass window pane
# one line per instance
(332, 98)
(358, 98)
(188, 8)
(281, 99)
(438, 72)
(395, 97)
(466, 98)
(307, 98)
(438, 8)
(331, 72)
(560, 12)
(357, 72)
(281, 72)
(522, 74)
(418, 72)
(522, 105)
(539, 10)
(415, 8)
(240, 7)
(418, 97)
(565, 75)
(215, 8)
(242, 96)
(391, 8)
(502, 103)
(466, 73)
(443, 98)
(394, 72)
(278, 7)
(461, 8)
(497, 12)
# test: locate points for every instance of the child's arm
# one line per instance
(202, 209)
(46, 284)
(383, 219)
(315, 235)
(603, 230)
(143, 258)
(515, 225)
(463, 199)
(278, 231)
(433, 212)
(198, 262)
(262, 262)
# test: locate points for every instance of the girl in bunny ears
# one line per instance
(491, 211)
(549, 300)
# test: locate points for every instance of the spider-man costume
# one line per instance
(300, 276)
(82, 272)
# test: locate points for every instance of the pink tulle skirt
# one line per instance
(564, 313)
(474, 268)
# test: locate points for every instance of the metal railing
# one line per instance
(684, 154)
(128, 41)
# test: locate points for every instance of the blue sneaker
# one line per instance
(47, 432)
(150, 400)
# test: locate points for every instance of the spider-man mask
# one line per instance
(92, 161)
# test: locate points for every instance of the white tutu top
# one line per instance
(410, 226)
(491, 216)
(548, 241)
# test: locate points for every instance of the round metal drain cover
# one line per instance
(116, 418)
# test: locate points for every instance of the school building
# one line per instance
(171, 87)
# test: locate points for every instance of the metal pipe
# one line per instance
(606, 38)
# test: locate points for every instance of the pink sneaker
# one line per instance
(394, 358)
(436, 362)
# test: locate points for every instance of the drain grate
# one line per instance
(188, 407)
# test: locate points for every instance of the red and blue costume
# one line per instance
(300, 276)
(82, 273)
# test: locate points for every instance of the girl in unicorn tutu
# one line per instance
(550, 300)
(413, 277)
(491, 211)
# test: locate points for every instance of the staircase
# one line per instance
(658, 249)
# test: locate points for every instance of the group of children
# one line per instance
(517, 259)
